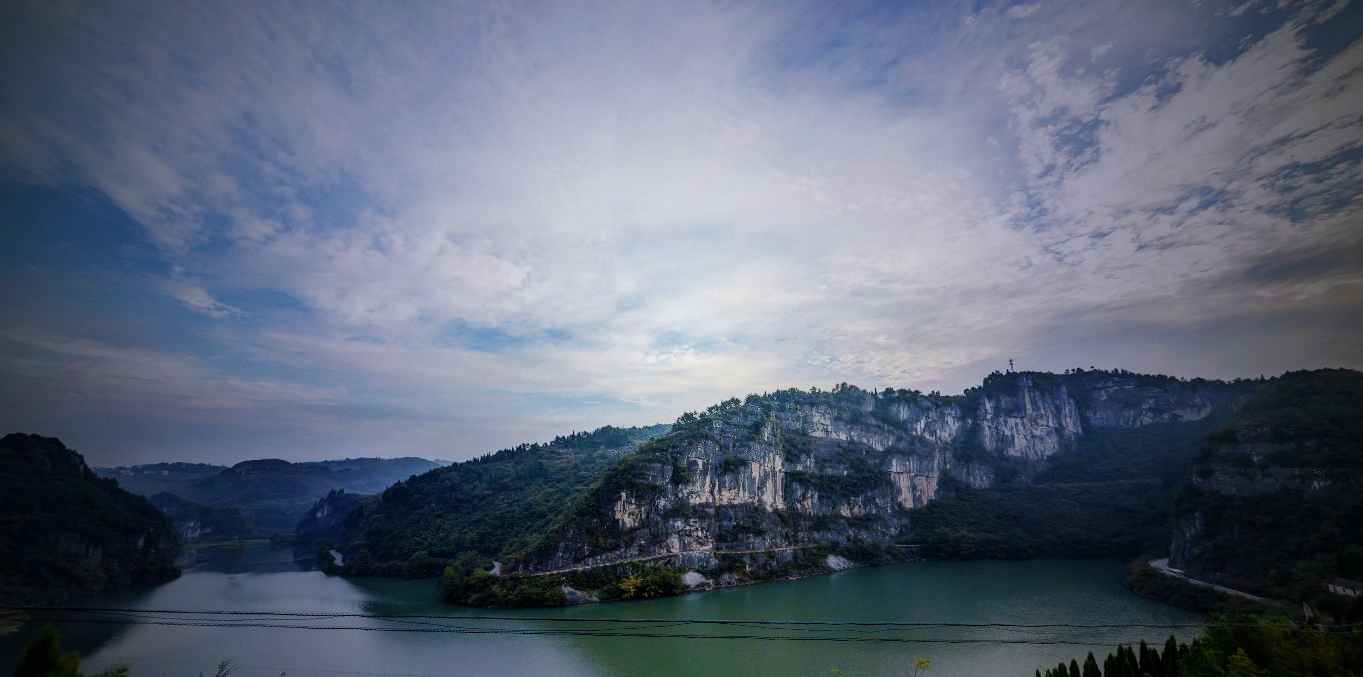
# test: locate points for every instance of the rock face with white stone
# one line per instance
(792, 469)
(694, 580)
(838, 563)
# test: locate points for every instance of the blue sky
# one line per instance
(238, 230)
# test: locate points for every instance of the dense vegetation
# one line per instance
(45, 658)
(197, 521)
(1107, 497)
(272, 494)
(468, 580)
(1241, 646)
(67, 532)
(496, 506)
(1277, 494)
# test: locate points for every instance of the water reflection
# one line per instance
(254, 556)
(335, 636)
(81, 637)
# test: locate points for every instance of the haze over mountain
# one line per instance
(235, 230)
(271, 494)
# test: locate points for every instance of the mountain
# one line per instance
(498, 504)
(325, 521)
(153, 478)
(1075, 464)
(846, 468)
(272, 494)
(68, 532)
(1273, 502)
(199, 522)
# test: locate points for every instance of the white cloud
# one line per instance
(196, 298)
(665, 205)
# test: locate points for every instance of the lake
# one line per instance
(969, 618)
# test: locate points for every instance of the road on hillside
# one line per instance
(1162, 565)
(646, 558)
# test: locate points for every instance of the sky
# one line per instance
(309, 230)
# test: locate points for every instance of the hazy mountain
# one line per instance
(201, 522)
(272, 494)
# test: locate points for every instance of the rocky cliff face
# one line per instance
(794, 468)
(326, 520)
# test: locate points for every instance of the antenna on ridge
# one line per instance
(1010, 364)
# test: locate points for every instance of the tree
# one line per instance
(1240, 665)
(45, 658)
(1091, 667)
(1170, 658)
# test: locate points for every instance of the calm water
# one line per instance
(478, 642)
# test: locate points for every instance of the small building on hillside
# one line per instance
(1346, 587)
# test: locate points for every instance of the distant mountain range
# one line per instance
(272, 494)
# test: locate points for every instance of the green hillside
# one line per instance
(68, 532)
(497, 505)
(1273, 502)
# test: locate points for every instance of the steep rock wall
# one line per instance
(791, 469)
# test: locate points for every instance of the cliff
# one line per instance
(1271, 504)
(796, 482)
(68, 532)
(844, 469)
(326, 521)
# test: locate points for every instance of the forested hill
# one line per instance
(497, 505)
(68, 532)
(272, 494)
(1273, 503)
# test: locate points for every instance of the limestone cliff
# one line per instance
(793, 469)
(326, 520)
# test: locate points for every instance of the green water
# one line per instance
(259, 578)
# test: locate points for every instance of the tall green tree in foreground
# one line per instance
(45, 658)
